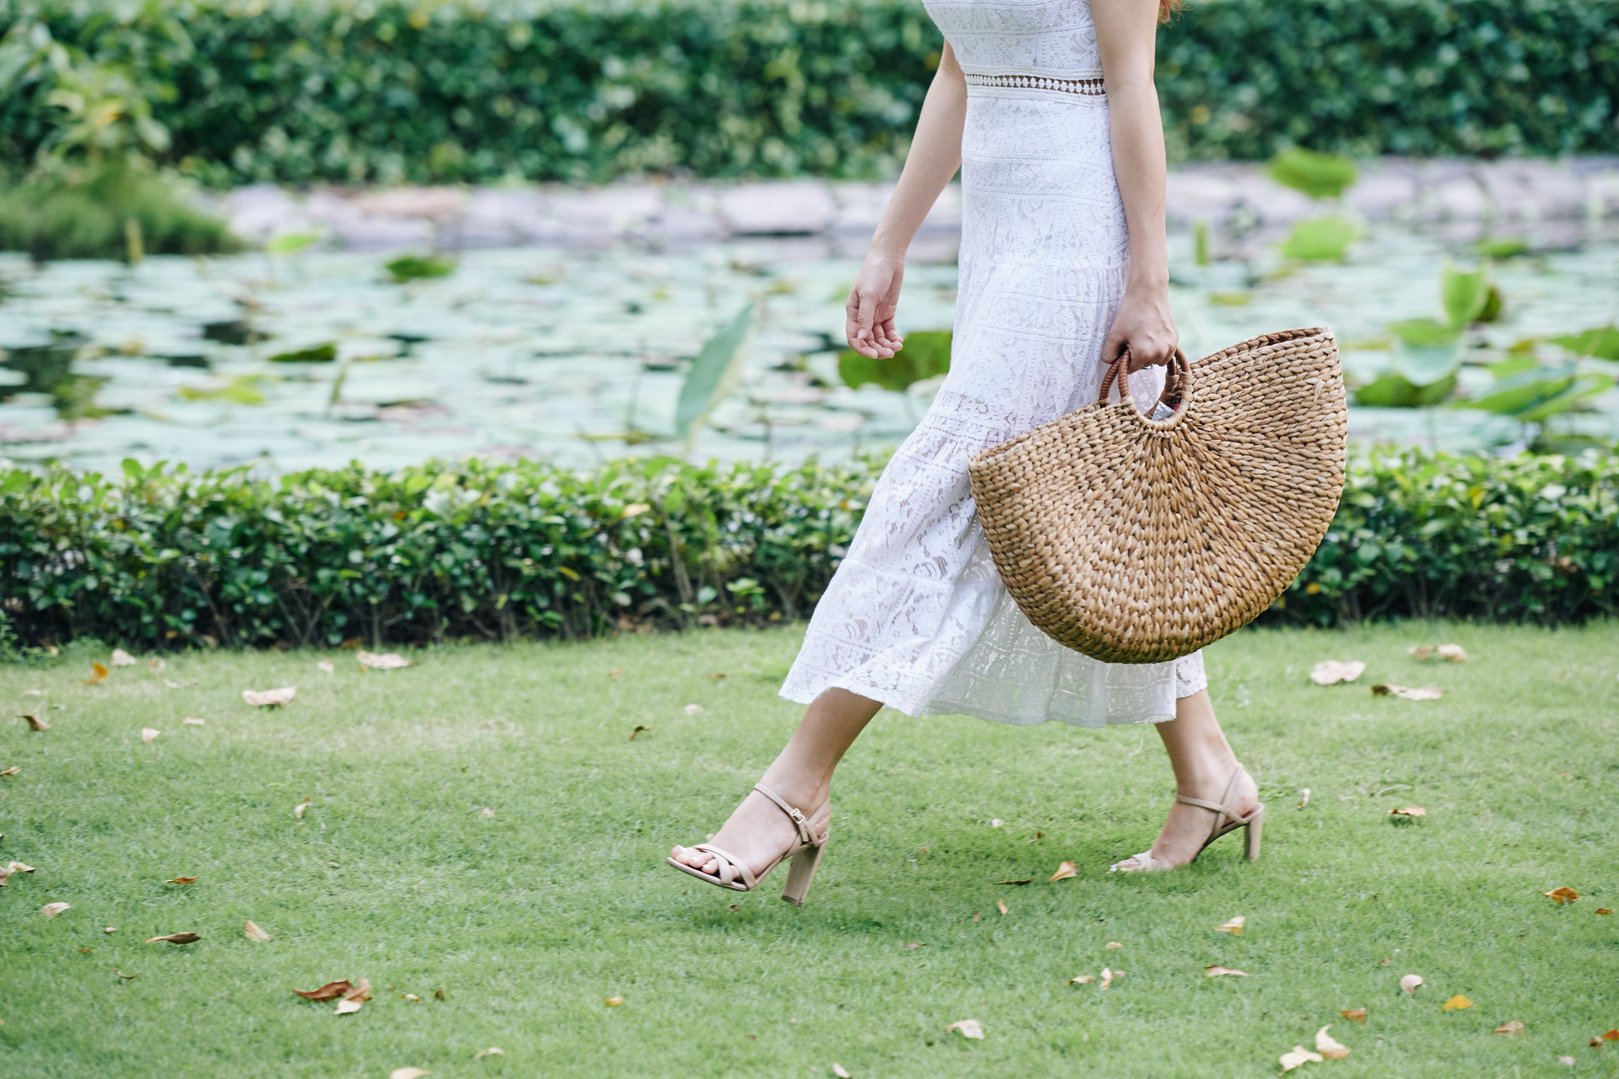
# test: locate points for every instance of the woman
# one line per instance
(1048, 109)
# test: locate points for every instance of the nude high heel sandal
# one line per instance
(806, 854)
(1224, 821)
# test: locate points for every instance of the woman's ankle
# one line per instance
(805, 790)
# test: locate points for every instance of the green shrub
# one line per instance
(108, 212)
(162, 556)
(434, 91)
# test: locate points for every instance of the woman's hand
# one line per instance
(870, 309)
(1143, 322)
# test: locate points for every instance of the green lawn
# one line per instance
(515, 926)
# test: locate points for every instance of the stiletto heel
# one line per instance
(805, 853)
(1225, 820)
(801, 872)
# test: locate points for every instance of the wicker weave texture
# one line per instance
(1213, 511)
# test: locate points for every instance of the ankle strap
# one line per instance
(792, 811)
(1223, 805)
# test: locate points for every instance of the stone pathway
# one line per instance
(1563, 196)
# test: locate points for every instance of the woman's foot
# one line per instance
(1188, 826)
(756, 832)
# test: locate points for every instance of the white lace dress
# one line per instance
(915, 615)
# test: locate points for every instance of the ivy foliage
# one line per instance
(162, 557)
(433, 91)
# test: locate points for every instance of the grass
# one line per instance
(529, 918)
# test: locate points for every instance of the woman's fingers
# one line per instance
(867, 335)
(887, 335)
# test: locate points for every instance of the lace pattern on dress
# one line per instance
(915, 615)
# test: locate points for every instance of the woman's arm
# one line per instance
(933, 158)
(1126, 33)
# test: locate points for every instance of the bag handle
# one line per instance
(1175, 379)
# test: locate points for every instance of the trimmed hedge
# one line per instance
(477, 91)
(162, 557)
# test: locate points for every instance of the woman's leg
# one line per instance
(1202, 760)
(801, 773)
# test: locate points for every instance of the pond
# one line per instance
(290, 361)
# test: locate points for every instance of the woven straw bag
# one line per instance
(1138, 540)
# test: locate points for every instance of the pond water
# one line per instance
(573, 356)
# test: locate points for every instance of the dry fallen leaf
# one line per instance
(1562, 895)
(639, 727)
(1020, 881)
(385, 661)
(1083, 979)
(1328, 1046)
(193, 721)
(1304, 797)
(251, 931)
(269, 698)
(1611, 1035)
(1000, 905)
(51, 910)
(1451, 653)
(1109, 976)
(347, 1006)
(1354, 1015)
(1234, 926)
(156, 665)
(360, 991)
(121, 658)
(34, 722)
(1407, 811)
(486, 811)
(1112, 944)
(329, 991)
(912, 946)
(614, 1002)
(1065, 871)
(1511, 1026)
(1214, 970)
(176, 938)
(181, 880)
(11, 771)
(1330, 672)
(1298, 1056)
(996, 823)
(839, 1071)
(149, 734)
(1455, 1004)
(126, 977)
(1408, 693)
(14, 867)
(98, 673)
(327, 665)
(969, 1028)
(1566, 1061)
(298, 810)
(492, 1051)
(1410, 982)
(1603, 910)
(410, 1073)
(694, 709)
